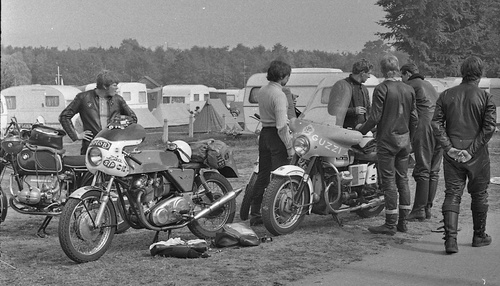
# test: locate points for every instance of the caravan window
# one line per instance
(52, 101)
(253, 95)
(143, 96)
(196, 97)
(11, 102)
(127, 95)
(206, 97)
(178, 99)
(166, 99)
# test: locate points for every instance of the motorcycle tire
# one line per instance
(278, 213)
(3, 205)
(121, 224)
(80, 241)
(247, 197)
(208, 226)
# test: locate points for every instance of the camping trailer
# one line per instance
(3, 116)
(193, 94)
(27, 102)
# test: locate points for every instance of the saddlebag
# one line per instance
(236, 234)
(213, 153)
(39, 161)
(46, 136)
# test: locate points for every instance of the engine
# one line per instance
(41, 190)
(169, 211)
(160, 206)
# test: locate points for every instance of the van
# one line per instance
(303, 82)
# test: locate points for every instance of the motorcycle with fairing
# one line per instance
(159, 190)
(333, 171)
(40, 175)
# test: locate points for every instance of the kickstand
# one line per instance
(338, 220)
(41, 231)
(155, 239)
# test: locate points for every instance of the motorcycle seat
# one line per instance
(77, 161)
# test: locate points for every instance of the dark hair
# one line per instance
(409, 68)
(362, 65)
(472, 69)
(105, 78)
(389, 65)
(278, 70)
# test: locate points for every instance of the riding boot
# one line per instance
(255, 215)
(433, 184)
(389, 227)
(420, 202)
(450, 231)
(480, 237)
(402, 225)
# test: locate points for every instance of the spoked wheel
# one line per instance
(206, 227)
(3, 205)
(247, 197)
(80, 239)
(282, 206)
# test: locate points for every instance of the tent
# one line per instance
(175, 113)
(146, 119)
(215, 117)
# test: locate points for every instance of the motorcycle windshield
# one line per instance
(328, 106)
(132, 132)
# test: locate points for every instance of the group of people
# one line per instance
(452, 128)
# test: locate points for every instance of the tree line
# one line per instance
(436, 35)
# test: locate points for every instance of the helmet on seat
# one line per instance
(184, 150)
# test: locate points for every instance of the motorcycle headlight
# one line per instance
(301, 145)
(94, 156)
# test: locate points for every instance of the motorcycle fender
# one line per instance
(292, 170)
(81, 191)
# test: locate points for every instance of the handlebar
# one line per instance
(129, 155)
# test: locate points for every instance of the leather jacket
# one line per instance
(359, 96)
(87, 105)
(465, 118)
(394, 112)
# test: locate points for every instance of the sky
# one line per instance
(325, 25)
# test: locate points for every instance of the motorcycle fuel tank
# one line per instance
(153, 161)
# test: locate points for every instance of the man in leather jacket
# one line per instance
(394, 113)
(97, 108)
(352, 87)
(463, 123)
(428, 153)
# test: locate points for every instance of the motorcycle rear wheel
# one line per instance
(370, 212)
(279, 213)
(3, 205)
(209, 225)
(78, 238)
(247, 197)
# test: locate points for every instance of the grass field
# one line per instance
(318, 245)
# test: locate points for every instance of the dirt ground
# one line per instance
(318, 245)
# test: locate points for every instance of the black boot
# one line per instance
(450, 231)
(420, 202)
(255, 215)
(402, 225)
(480, 237)
(388, 228)
(433, 184)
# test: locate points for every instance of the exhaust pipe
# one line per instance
(373, 203)
(219, 203)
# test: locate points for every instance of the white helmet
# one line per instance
(184, 150)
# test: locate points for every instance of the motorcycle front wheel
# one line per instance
(282, 205)
(208, 226)
(78, 237)
(247, 197)
(3, 205)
